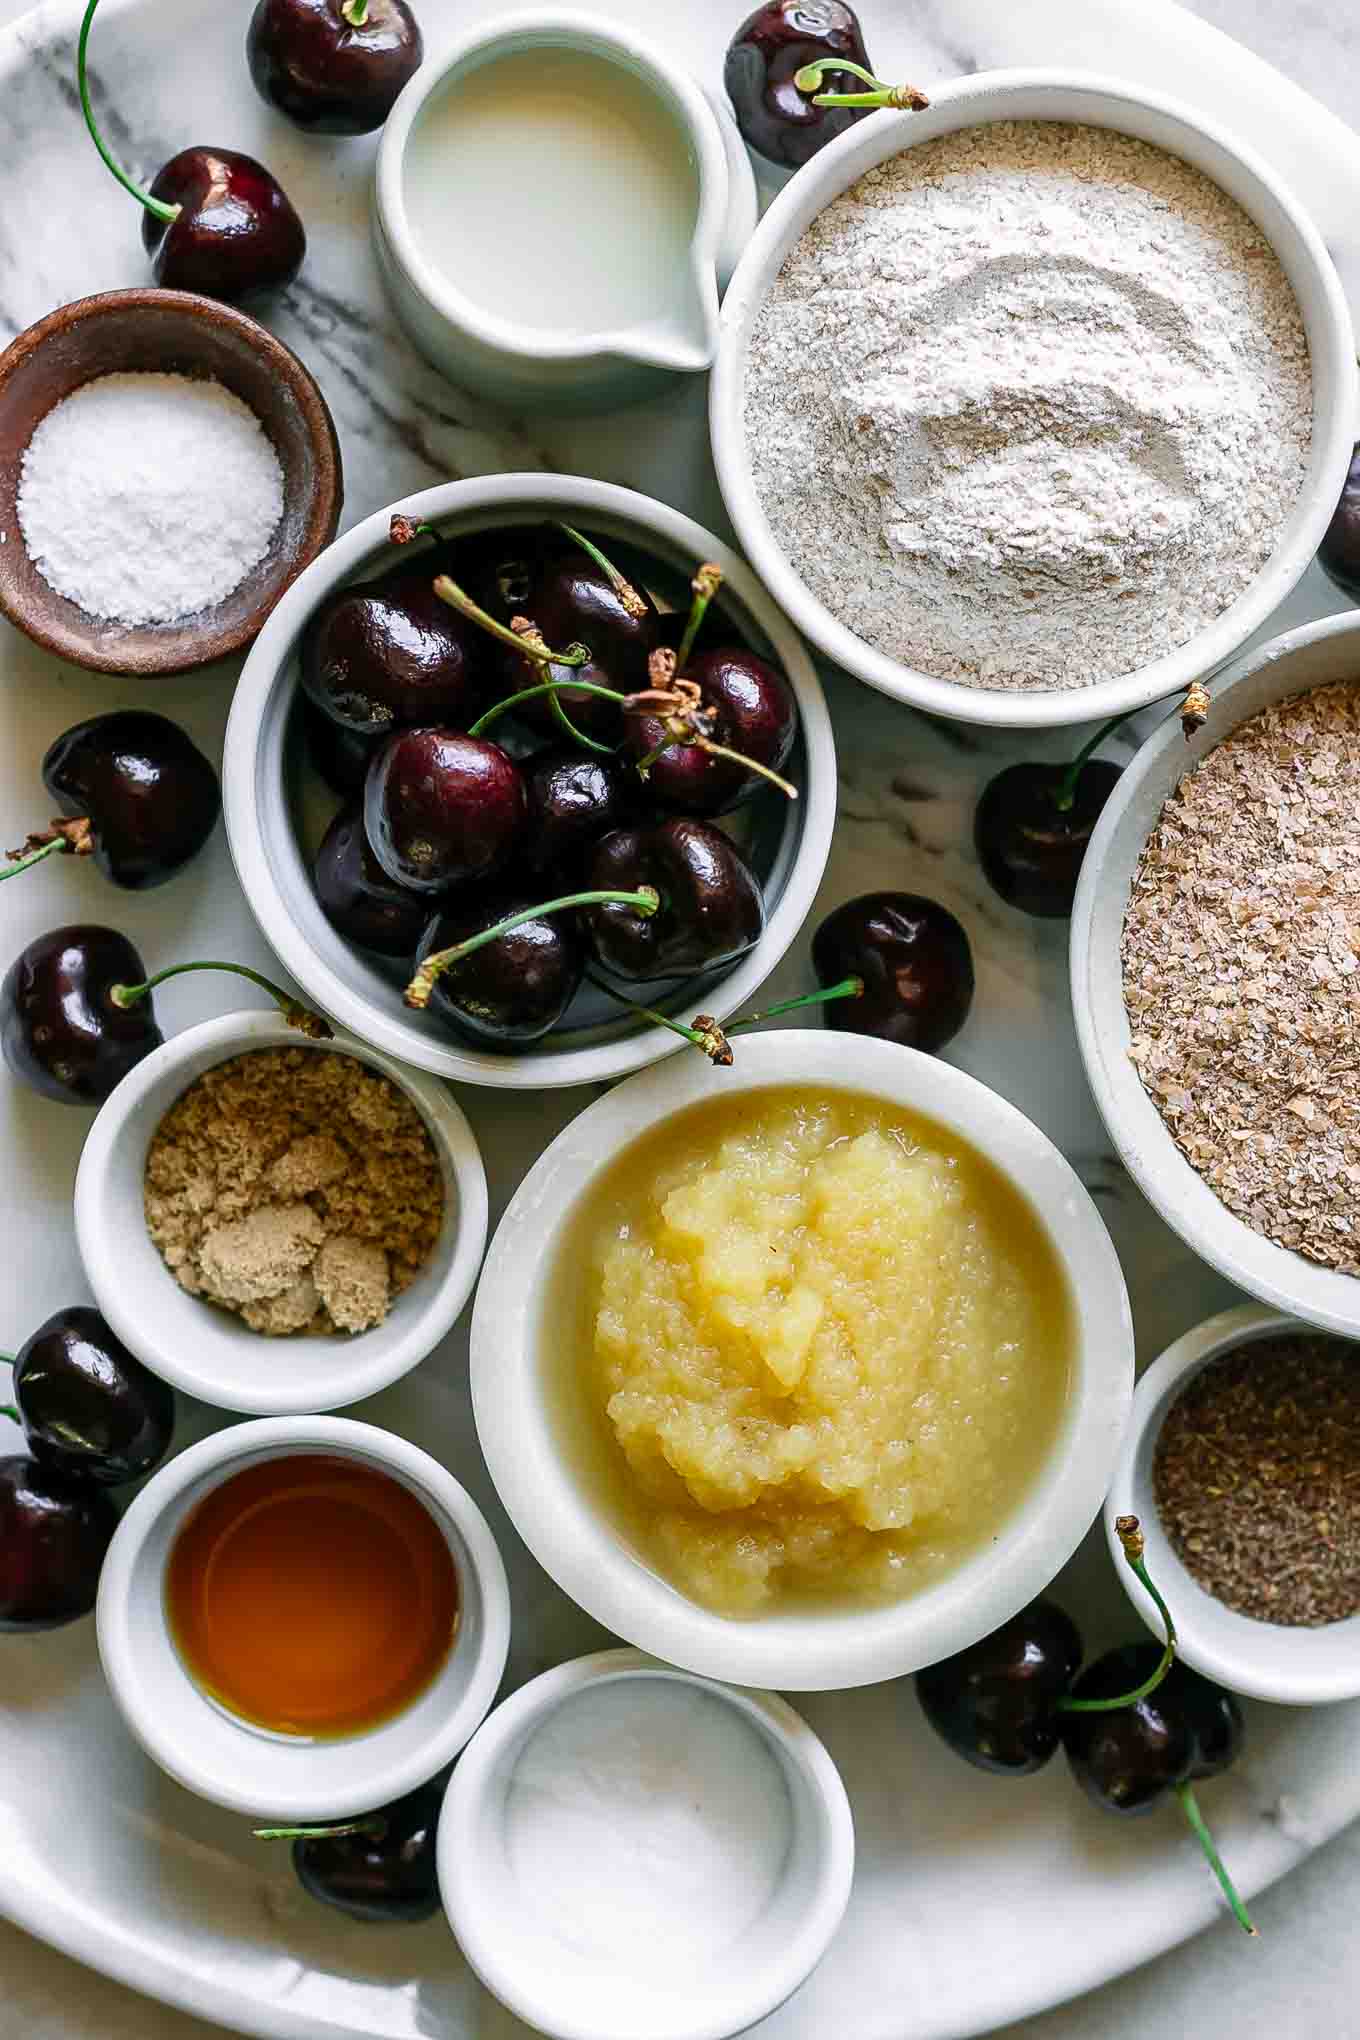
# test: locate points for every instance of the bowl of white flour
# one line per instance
(1030, 408)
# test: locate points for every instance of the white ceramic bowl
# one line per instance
(565, 370)
(793, 1649)
(567, 1994)
(1098, 102)
(1267, 1661)
(210, 1353)
(263, 791)
(1292, 664)
(286, 1778)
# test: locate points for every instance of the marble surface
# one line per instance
(402, 429)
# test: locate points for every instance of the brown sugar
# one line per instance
(1241, 967)
(296, 1187)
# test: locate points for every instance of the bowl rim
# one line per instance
(274, 1437)
(1322, 1297)
(596, 35)
(140, 661)
(97, 1235)
(799, 1750)
(1249, 1657)
(981, 99)
(265, 669)
(570, 1535)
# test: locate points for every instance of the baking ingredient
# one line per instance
(380, 1867)
(299, 1189)
(1239, 969)
(145, 498)
(508, 993)
(312, 1595)
(1029, 405)
(673, 1798)
(89, 1408)
(807, 1344)
(1256, 1477)
(135, 794)
(1033, 822)
(763, 59)
(335, 67)
(442, 808)
(388, 651)
(358, 898)
(1339, 553)
(54, 1532)
(213, 221)
(913, 960)
(577, 192)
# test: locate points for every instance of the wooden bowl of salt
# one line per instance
(151, 525)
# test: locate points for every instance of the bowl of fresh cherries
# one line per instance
(522, 768)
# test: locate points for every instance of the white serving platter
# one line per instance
(976, 1901)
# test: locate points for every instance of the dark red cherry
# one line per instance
(335, 67)
(571, 600)
(441, 808)
(575, 797)
(1214, 1715)
(994, 1703)
(712, 908)
(384, 1873)
(509, 993)
(341, 756)
(90, 1408)
(777, 120)
(1029, 845)
(236, 234)
(914, 959)
(59, 1028)
(1128, 1759)
(388, 651)
(148, 797)
(358, 898)
(1339, 553)
(753, 713)
(54, 1532)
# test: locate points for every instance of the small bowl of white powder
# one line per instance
(1030, 408)
(167, 469)
(628, 1852)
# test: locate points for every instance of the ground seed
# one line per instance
(1256, 1477)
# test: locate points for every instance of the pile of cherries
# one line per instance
(94, 1418)
(1137, 1725)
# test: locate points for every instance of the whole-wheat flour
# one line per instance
(1028, 406)
(1241, 962)
(298, 1188)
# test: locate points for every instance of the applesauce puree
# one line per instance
(821, 1347)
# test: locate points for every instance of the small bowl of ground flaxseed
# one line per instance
(278, 1225)
(1216, 974)
(1242, 1465)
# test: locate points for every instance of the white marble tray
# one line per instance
(976, 1901)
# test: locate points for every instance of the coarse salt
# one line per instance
(146, 498)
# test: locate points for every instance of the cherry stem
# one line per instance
(19, 860)
(809, 80)
(532, 693)
(1190, 1808)
(561, 717)
(1131, 1540)
(848, 988)
(646, 900)
(704, 587)
(294, 1012)
(622, 586)
(8, 1409)
(705, 1034)
(156, 206)
(1066, 795)
(355, 12)
(529, 644)
(374, 1826)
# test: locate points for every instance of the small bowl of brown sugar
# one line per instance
(278, 1225)
(1216, 974)
(1242, 1464)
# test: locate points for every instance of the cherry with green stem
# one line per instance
(709, 1035)
(126, 997)
(214, 221)
(645, 900)
(1033, 823)
(811, 78)
(378, 1867)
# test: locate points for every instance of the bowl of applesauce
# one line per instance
(804, 1373)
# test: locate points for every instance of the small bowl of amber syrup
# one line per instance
(303, 1618)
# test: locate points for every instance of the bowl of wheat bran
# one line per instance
(1216, 968)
